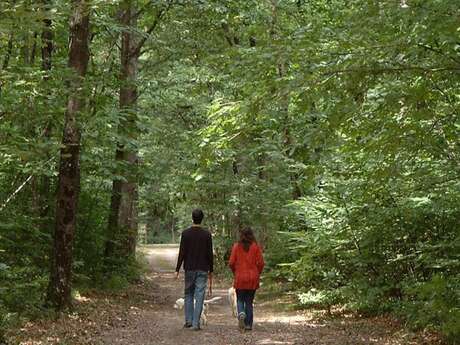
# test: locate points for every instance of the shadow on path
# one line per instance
(163, 324)
(144, 315)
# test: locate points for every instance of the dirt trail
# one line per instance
(163, 325)
(145, 316)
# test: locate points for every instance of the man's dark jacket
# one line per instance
(196, 250)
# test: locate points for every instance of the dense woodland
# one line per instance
(331, 127)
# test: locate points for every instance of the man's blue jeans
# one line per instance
(195, 289)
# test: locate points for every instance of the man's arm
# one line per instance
(210, 255)
(211, 263)
(180, 258)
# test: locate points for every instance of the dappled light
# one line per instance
(273, 342)
(302, 155)
(145, 312)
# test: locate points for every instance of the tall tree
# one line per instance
(41, 184)
(47, 54)
(59, 292)
(123, 218)
(123, 211)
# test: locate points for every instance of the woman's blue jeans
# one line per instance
(244, 304)
(195, 289)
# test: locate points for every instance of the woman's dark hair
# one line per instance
(247, 237)
(197, 216)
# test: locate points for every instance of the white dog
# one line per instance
(231, 295)
(204, 314)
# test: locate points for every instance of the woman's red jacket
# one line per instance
(246, 266)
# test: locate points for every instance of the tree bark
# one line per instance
(59, 291)
(47, 39)
(6, 59)
(46, 65)
(123, 220)
(41, 184)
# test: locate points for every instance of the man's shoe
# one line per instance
(241, 320)
(196, 328)
(247, 328)
(187, 325)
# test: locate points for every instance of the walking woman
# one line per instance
(247, 263)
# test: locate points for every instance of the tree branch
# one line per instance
(379, 70)
(14, 193)
(159, 16)
(438, 51)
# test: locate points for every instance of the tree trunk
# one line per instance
(173, 228)
(122, 224)
(59, 291)
(6, 59)
(281, 68)
(41, 184)
(123, 219)
(47, 53)
(47, 39)
(9, 51)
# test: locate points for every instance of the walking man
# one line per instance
(196, 254)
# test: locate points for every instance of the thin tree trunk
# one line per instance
(6, 59)
(59, 292)
(47, 53)
(9, 51)
(123, 219)
(281, 68)
(122, 225)
(47, 40)
(34, 49)
(27, 48)
(173, 228)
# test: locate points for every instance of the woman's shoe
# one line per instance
(241, 321)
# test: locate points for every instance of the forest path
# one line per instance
(163, 324)
(144, 315)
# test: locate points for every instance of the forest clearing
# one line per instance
(331, 128)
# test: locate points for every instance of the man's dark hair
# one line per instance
(197, 216)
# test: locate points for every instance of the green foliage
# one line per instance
(21, 291)
(5, 322)
(116, 283)
(435, 302)
(330, 127)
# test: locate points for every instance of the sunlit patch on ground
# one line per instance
(270, 341)
(81, 299)
(294, 319)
